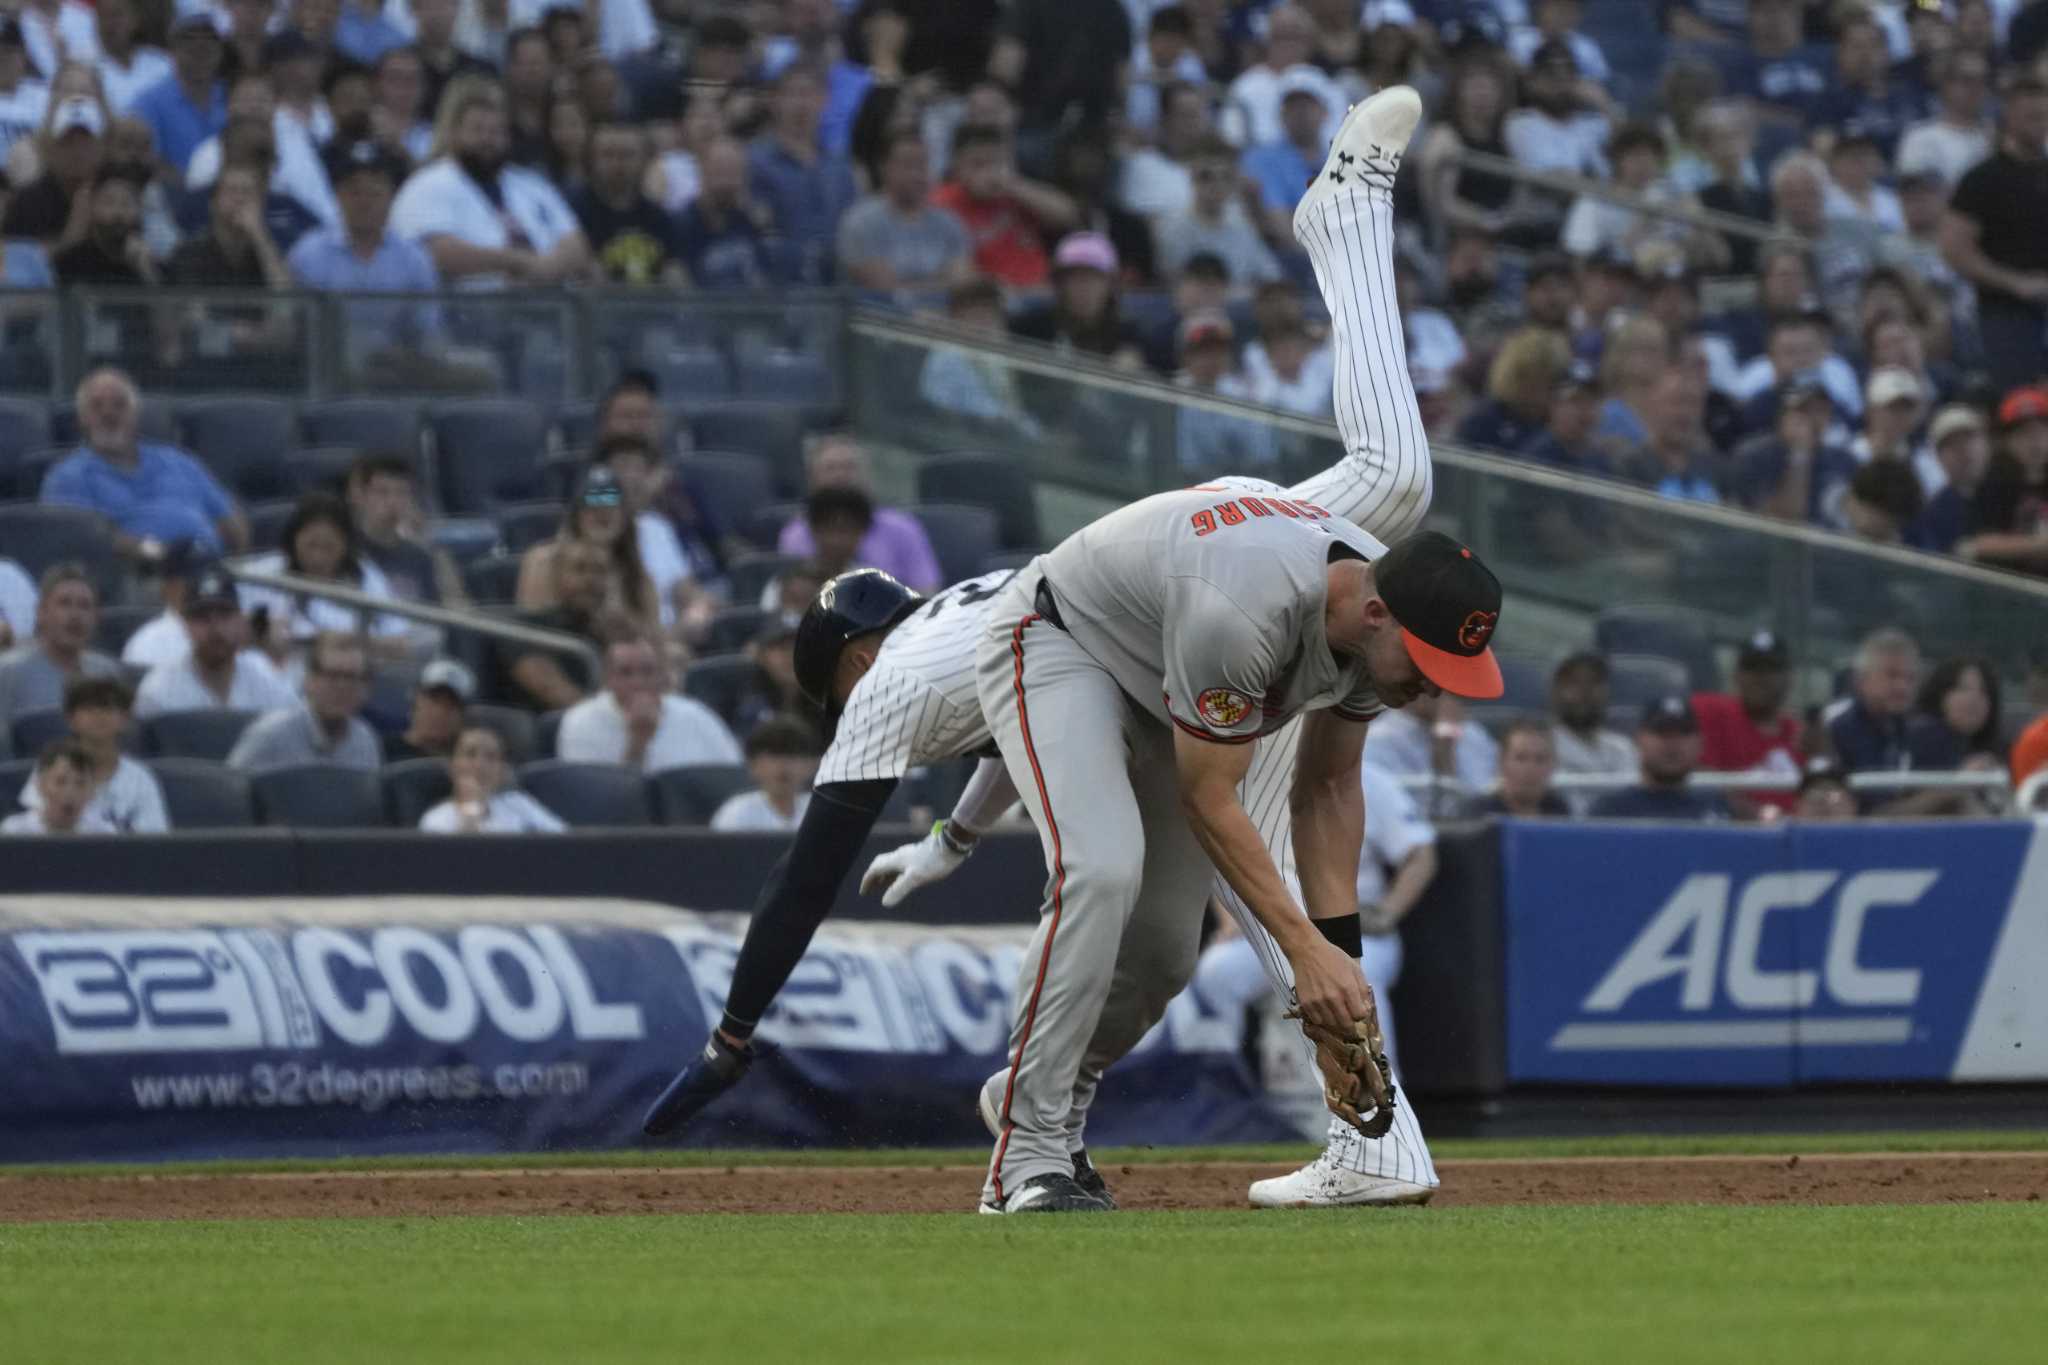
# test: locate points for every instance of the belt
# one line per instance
(1047, 605)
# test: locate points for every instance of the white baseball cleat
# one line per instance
(1367, 151)
(1323, 1183)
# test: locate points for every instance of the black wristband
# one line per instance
(1344, 931)
(735, 1028)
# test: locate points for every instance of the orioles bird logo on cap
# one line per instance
(1476, 630)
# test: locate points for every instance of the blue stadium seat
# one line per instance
(730, 484)
(30, 467)
(990, 481)
(201, 794)
(24, 426)
(117, 623)
(749, 576)
(209, 733)
(1636, 680)
(692, 795)
(267, 522)
(604, 795)
(242, 440)
(689, 374)
(487, 451)
(35, 537)
(516, 730)
(33, 729)
(962, 536)
(732, 628)
(465, 539)
(786, 377)
(1525, 684)
(363, 424)
(547, 732)
(319, 469)
(764, 527)
(14, 776)
(719, 680)
(526, 524)
(412, 788)
(1672, 632)
(775, 432)
(491, 579)
(319, 796)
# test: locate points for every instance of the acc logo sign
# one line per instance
(1222, 707)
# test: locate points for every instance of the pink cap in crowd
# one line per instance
(1085, 251)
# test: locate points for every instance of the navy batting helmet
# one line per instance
(853, 604)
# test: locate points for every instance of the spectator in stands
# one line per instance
(1431, 738)
(398, 95)
(1472, 118)
(782, 757)
(1993, 239)
(1558, 21)
(112, 251)
(544, 680)
(963, 384)
(720, 231)
(126, 65)
(632, 239)
(1165, 57)
(1063, 58)
(1565, 119)
(1958, 135)
(1216, 221)
(804, 187)
(237, 251)
(1578, 706)
(1795, 472)
(1082, 314)
(1633, 362)
(154, 494)
(1593, 225)
(320, 542)
(1963, 451)
(671, 570)
(638, 722)
(597, 515)
(1797, 352)
(1854, 196)
(1677, 460)
(1211, 442)
(1478, 305)
(1291, 379)
(484, 221)
(1726, 130)
(63, 785)
(216, 669)
(895, 543)
(1254, 104)
(1776, 67)
(2030, 750)
(481, 802)
(838, 520)
(1864, 94)
(24, 97)
(1396, 864)
(17, 604)
(1160, 179)
(162, 639)
(1884, 499)
(73, 154)
(439, 706)
(1750, 730)
(327, 727)
(441, 56)
(364, 256)
(1566, 441)
(894, 239)
(1824, 792)
(1519, 388)
(1668, 740)
(2011, 521)
(1086, 171)
(529, 95)
(1874, 729)
(293, 170)
(191, 104)
(772, 691)
(1961, 694)
(383, 497)
(125, 795)
(1528, 760)
(1007, 216)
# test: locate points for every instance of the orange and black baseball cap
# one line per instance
(1447, 604)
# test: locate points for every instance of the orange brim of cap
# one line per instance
(1476, 676)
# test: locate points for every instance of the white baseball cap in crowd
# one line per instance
(448, 675)
(1953, 420)
(1891, 385)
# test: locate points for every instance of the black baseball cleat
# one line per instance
(1090, 1180)
(717, 1069)
(1053, 1193)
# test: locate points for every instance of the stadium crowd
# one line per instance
(1855, 336)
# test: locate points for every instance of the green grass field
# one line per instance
(1664, 1284)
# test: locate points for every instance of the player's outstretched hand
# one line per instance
(1328, 988)
(903, 870)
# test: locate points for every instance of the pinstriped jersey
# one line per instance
(1206, 606)
(917, 703)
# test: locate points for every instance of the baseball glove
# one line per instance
(1356, 1075)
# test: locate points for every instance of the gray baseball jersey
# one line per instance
(1206, 605)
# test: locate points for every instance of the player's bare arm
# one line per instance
(1326, 983)
(1328, 805)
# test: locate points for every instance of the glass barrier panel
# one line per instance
(31, 342)
(178, 341)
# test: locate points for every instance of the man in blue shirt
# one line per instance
(718, 237)
(190, 105)
(1875, 729)
(363, 256)
(155, 495)
(803, 185)
(1668, 740)
(1283, 169)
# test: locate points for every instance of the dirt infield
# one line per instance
(1922, 1178)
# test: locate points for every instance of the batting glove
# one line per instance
(901, 871)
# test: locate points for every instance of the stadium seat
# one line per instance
(732, 628)
(487, 451)
(14, 776)
(589, 794)
(117, 623)
(773, 432)
(319, 469)
(363, 424)
(962, 536)
(31, 730)
(764, 527)
(1525, 684)
(199, 794)
(30, 466)
(412, 788)
(750, 575)
(786, 377)
(492, 579)
(516, 730)
(35, 537)
(523, 525)
(1636, 680)
(24, 426)
(989, 481)
(1669, 632)
(577, 426)
(689, 374)
(464, 538)
(208, 733)
(718, 680)
(730, 485)
(242, 440)
(319, 796)
(547, 730)
(693, 794)
(267, 522)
